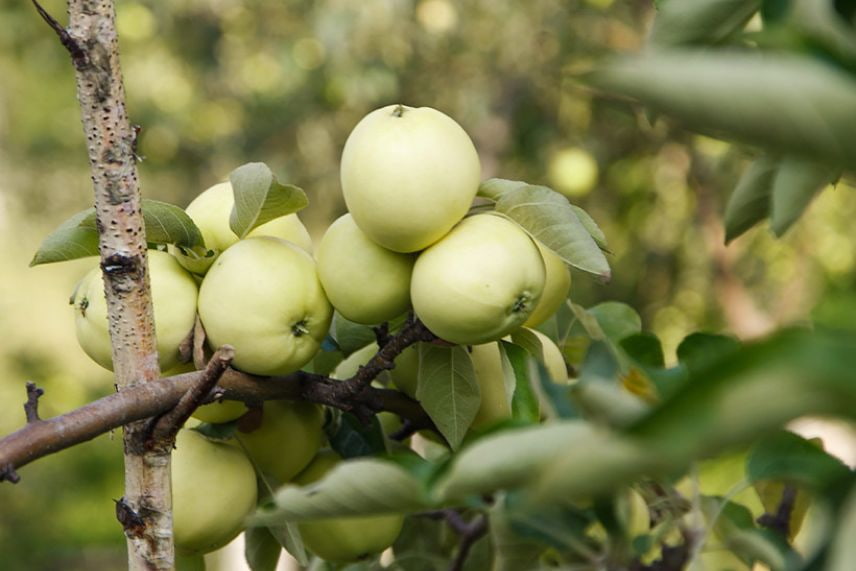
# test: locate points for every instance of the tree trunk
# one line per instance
(145, 510)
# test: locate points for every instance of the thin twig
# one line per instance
(199, 344)
(78, 54)
(165, 427)
(780, 522)
(31, 407)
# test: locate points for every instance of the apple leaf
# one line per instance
(617, 320)
(77, 237)
(524, 400)
(350, 336)
(495, 187)
(645, 349)
(260, 198)
(681, 22)
(350, 438)
(789, 457)
(447, 390)
(362, 486)
(592, 227)
(288, 536)
(750, 201)
(796, 183)
(746, 96)
(261, 549)
(843, 551)
(549, 217)
(509, 459)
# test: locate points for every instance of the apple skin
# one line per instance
(480, 282)
(263, 297)
(495, 403)
(365, 282)
(213, 491)
(408, 175)
(557, 284)
(288, 438)
(553, 359)
(174, 293)
(344, 539)
(210, 211)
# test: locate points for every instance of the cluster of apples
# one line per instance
(409, 177)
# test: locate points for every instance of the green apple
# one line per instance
(365, 282)
(573, 172)
(557, 284)
(352, 363)
(551, 356)
(344, 539)
(289, 436)
(213, 491)
(480, 282)
(495, 402)
(210, 211)
(174, 300)
(408, 175)
(263, 297)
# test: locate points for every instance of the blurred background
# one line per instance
(217, 83)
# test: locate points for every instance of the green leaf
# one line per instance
(699, 350)
(73, 239)
(260, 198)
(750, 201)
(826, 29)
(495, 187)
(77, 237)
(168, 224)
(419, 546)
(448, 390)
(680, 22)
(350, 438)
(788, 457)
(514, 550)
(645, 349)
(350, 336)
(549, 217)
(524, 400)
(362, 486)
(746, 96)
(796, 183)
(617, 320)
(515, 458)
(773, 11)
(288, 536)
(261, 549)
(591, 226)
(843, 551)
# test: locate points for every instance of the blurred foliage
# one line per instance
(218, 83)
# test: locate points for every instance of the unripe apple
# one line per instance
(289, 436)
(573, 172)
(210, 211)
(213, 491)
(173, 298)
(495, 402)
(480, 282)
(553, 360)
(408, 175)
(263, 297)
(352, 363)
(344, 539)
(557, 284)
(365, 282)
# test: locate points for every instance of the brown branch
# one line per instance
(469, 532)
(165, 427)
(31, 407)
(412, 332)
(43, 437)
(780, 522)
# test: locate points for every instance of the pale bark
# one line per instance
(93, 44)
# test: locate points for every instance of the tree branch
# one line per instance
(153, 399)
(780, 522)
(31, 407)
(165, 427)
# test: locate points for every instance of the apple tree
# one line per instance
(418, 390)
